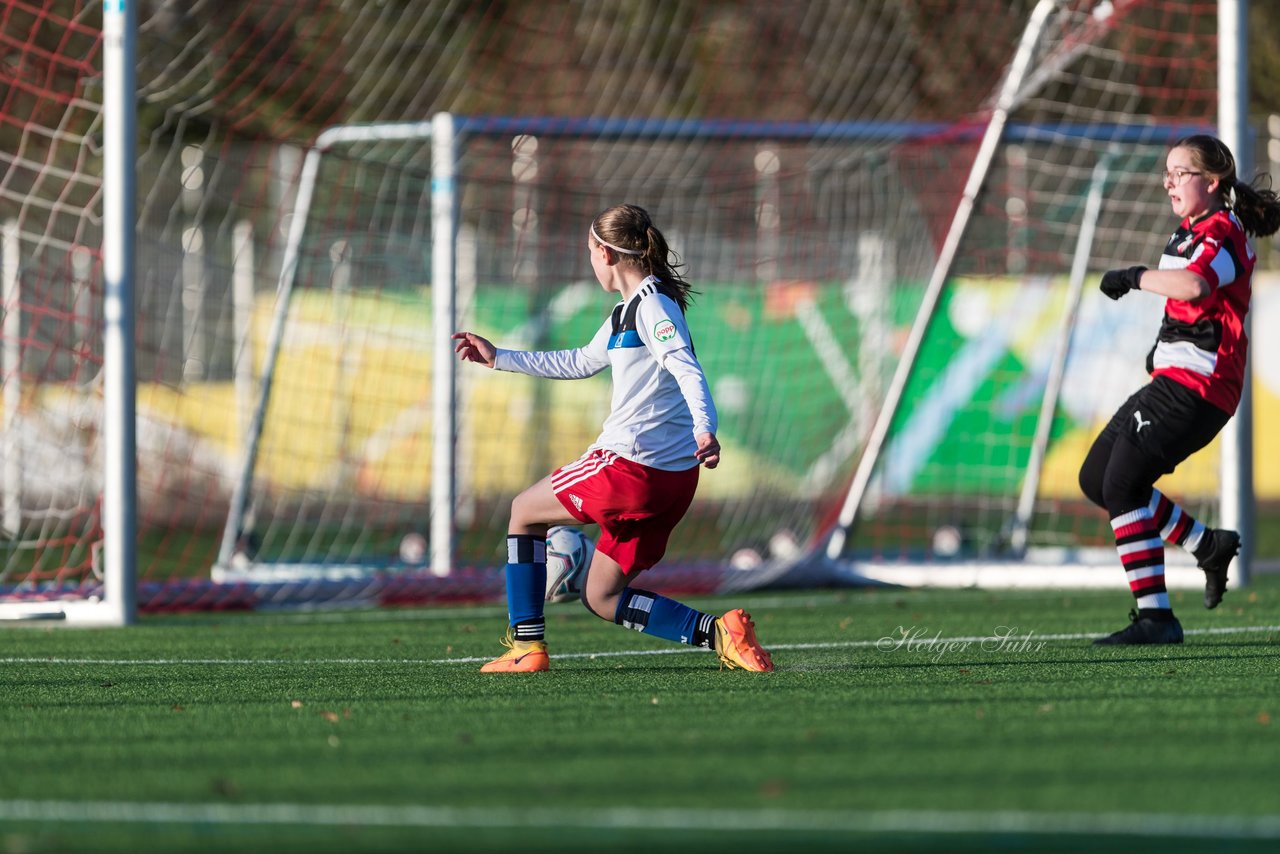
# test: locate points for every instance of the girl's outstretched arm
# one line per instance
(474, 348)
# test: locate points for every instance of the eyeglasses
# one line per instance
(1176, 176)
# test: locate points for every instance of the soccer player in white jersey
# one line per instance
(638, 478)
(1197, 369)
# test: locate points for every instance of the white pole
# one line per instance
(119, 497)
(465, 309)
(11, 376)
(242, 288)
(82, 307)
(193, 300)
(768, 213)
(443, 369)
(194, 284)
(1007, 100)
(1233, 128)
(1061, 350)
(239, 511)
(240, 498)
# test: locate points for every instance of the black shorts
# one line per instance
(1167, 422)
(1152, 432)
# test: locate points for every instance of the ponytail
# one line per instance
(1257, 208)
(629, 231)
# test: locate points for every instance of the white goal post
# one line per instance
(439, 132)
(117, 605)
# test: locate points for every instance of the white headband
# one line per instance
(610, 245)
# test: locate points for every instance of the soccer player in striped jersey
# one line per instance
(638, 478)
(1197, 368)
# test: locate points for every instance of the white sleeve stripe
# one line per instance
(1224, 267)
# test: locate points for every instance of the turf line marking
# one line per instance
(889, 642)
(364, 612)
(858, 821)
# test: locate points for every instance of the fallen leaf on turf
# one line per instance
(773, 788)
(224, 787)
(297, 704)
(331, 717)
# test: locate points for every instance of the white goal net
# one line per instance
(807, 159)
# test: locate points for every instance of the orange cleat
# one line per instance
(737, 646)
(520, 657)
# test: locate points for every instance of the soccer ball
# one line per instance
(413, 548)
(948, 541)
(569, 553)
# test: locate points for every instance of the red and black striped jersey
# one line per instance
(1202, 343)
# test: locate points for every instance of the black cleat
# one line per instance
(1145, 630)
(1223, 545)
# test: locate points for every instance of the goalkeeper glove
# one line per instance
(1117, 283)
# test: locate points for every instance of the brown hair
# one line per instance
(629, 228)
(1257, 208)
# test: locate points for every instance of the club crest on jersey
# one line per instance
(664, 330)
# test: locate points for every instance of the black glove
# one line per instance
(1117, 283)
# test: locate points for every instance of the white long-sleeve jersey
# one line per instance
(661, 400)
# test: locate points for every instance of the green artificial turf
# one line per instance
(903, 720)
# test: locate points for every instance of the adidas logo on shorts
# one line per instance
(577, 502)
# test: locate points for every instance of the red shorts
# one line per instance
(636, 507)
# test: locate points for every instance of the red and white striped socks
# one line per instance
(1142, 553)
(1176, 525)
(1140, 538)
